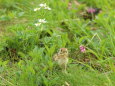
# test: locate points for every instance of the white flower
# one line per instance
(36, 9)
(42, 21)
(37, 24)
(43, 5)
(48, 8)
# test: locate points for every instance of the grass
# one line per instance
(26, 50)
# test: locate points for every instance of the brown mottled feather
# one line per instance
(62, 58)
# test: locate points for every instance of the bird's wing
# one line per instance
(55, 57)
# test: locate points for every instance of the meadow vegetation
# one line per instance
(31, 33)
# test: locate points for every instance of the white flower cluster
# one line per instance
(40, 21)
(44, 6)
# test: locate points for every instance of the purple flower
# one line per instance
(91, 10)
(82, 48)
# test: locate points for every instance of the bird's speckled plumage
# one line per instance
(62, 58)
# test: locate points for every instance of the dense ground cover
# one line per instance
(27, 43)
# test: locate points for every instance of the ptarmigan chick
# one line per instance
(62, 58)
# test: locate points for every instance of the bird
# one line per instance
(61, 58)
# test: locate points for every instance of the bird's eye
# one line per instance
(61, 50)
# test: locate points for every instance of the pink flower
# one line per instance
(91, 10)
(82, 48)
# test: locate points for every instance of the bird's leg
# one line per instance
(64, 68)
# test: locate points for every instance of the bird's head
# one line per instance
(63, 51)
